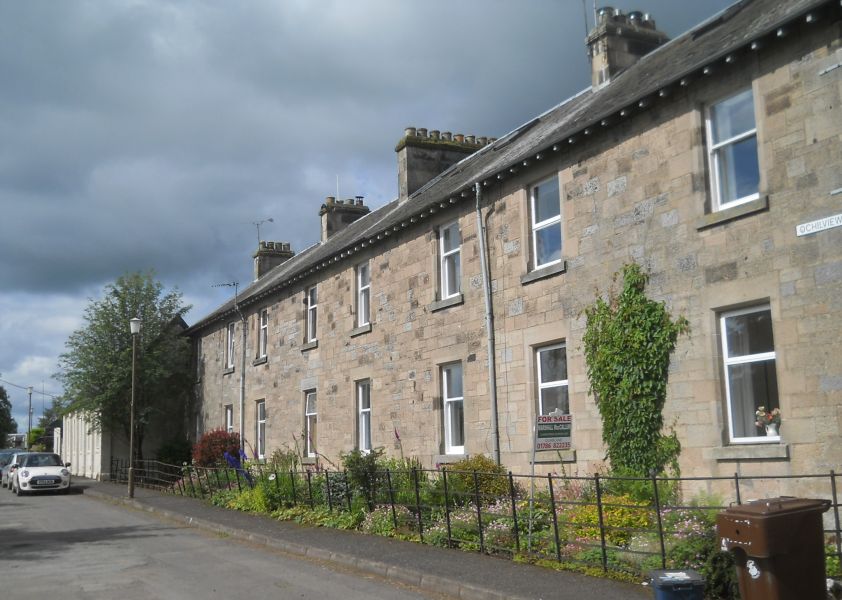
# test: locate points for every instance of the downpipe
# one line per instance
(489, 326)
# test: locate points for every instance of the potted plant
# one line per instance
(771, 420)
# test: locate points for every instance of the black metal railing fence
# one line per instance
(588, 520)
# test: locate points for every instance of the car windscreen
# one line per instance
(41, 460)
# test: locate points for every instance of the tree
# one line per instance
(51, 414)
(628, 341)
(96, 369)
(37, 439)
(7, 424)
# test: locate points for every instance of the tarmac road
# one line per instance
(72, 547)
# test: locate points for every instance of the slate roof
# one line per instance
(708, 44)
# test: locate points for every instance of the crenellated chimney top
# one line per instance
(422, 155)
(269, 255)
(618, 41)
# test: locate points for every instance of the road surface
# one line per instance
(71, 547)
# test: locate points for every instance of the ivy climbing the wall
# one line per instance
(628, 341)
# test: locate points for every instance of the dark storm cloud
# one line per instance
(151, 135)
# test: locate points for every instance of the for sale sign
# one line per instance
(552, 432)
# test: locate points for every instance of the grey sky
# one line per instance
(143, 135)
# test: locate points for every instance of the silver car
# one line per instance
(7, 462)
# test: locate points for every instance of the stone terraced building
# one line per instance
(713, 160)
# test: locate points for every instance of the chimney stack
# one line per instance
(337, 214)
(269, 255)
(423, 156)
(618, 41)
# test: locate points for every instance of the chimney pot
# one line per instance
(618, 41)
(446, 136)
(459, 137)
(470, 139)
(409, 131)
(338, 214)
(434, 134)
(422, 132)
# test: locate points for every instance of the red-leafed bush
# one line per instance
(211, 447)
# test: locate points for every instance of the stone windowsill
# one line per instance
(260, 361)
(310, 345)
(544, 272)
(738, 452)
(446, 459)
(447, 302)
(729, 214)
(551, 457)
(362, 329)
(228, 371)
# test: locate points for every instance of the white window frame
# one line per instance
(740, 360)
(260, 429)
(713, 149)
(364, 416)
(310, 440)
(263, 335)
(230, 344)
(312, 298)
(363, 294)
(447, 401)
(537, 226)
(229, 418)
(444, 263)
(543, 385)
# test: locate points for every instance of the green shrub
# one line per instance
(831, 562)
(492, 482)
(250, 500)
(623, 482)
(212, 446)
(620, 514)
(364, 473)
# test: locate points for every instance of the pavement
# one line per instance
(467, 575)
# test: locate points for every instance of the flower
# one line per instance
(764, 418)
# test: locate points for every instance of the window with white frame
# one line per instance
(260, 429)
(263, 334)
(310, 422)
(450, 248)
(545, 214)
(363, 294)
(229, 418)
(229, 346)
(748, 351)
(364, 415)
(552, 379)
(732, 150)
(453, 403)
(312, 299)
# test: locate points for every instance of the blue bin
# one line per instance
(678, 585)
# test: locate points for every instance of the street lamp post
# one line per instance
(134, 325)
(29, 428)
